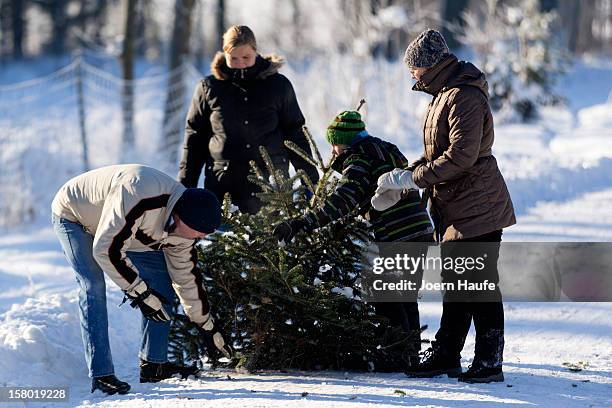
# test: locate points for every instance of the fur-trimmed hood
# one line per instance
(264, 67)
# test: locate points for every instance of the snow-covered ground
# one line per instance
(559, 172)
(40, 344)
(40, 341)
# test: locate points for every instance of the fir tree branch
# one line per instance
(314, 147)
(300, 152)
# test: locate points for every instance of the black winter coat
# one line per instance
(232, 113)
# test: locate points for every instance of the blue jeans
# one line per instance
(78, 248)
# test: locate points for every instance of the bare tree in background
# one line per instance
(17, 27)
(59, 17)
(451, 18)
(354, 21)
(296, 19)
(392, 30)
(175, 94)
(549, 5)
(200, 47)
(356, 24)
(4, 29)
(383, 28)
(127, 67)
(90, 13)
(153, 41)
(603, 26)
(587, 24)
(585, 17)
(220, 22)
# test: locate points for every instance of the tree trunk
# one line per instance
(100, 20)
(152, 42)
(570, 17)
(549, 5)
(59, 20)
(141, 24)
(175, 94)
(220, 22)
(127, 66)
(452, 11)
(586, 41)
(296, 20)
(17, 27)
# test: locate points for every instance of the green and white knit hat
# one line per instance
(345, 126)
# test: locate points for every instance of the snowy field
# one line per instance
(40, 345)
(559, 171)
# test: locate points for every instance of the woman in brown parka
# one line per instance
(468, 202)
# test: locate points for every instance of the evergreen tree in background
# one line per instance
(293, 306)
(517, 49)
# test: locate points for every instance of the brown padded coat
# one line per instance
(467, 192)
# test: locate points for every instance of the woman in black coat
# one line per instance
(244, 104)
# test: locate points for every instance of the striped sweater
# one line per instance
(361, 165)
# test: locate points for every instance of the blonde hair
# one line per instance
(238, 35)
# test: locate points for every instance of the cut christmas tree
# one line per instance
(296, 305)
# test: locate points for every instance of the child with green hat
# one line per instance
(362, 159)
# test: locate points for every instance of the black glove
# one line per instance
(210, 331)
(148, 301)
(287, 230)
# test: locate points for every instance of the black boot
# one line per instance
(478, 373)
(435, 362)
(413, 361)
(109, 384)
(154, 372)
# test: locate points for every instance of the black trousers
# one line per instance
(231, 176)
(488, 315)
(406, 314)
(233, 180)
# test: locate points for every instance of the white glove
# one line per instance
(386, 199)
(396, 179)
(148, 301)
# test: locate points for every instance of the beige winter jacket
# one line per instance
(127, 208)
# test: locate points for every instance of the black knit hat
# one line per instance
(199, 209)
(426, 50)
